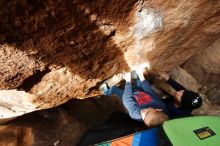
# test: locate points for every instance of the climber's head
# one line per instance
(188, 99)
(153, 117)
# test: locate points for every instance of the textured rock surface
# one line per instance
(15, 103)
(205, 67)
(60, 126)
(16, 66)
(59, 86)
(69, 46)
(51, 127)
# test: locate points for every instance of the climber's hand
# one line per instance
(127, 76)
(140, 72)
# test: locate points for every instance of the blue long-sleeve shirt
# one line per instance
(131, 104)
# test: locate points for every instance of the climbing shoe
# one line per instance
(134, 75)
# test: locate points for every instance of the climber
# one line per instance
(183, 101)
(142, 103)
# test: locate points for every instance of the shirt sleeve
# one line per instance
(130, 103)
(175, 85)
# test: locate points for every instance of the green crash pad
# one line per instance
(194, 131)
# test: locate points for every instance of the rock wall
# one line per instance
(60, 126)
(53, 127)
(58, 50)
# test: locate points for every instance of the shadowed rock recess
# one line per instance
(56, 50)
